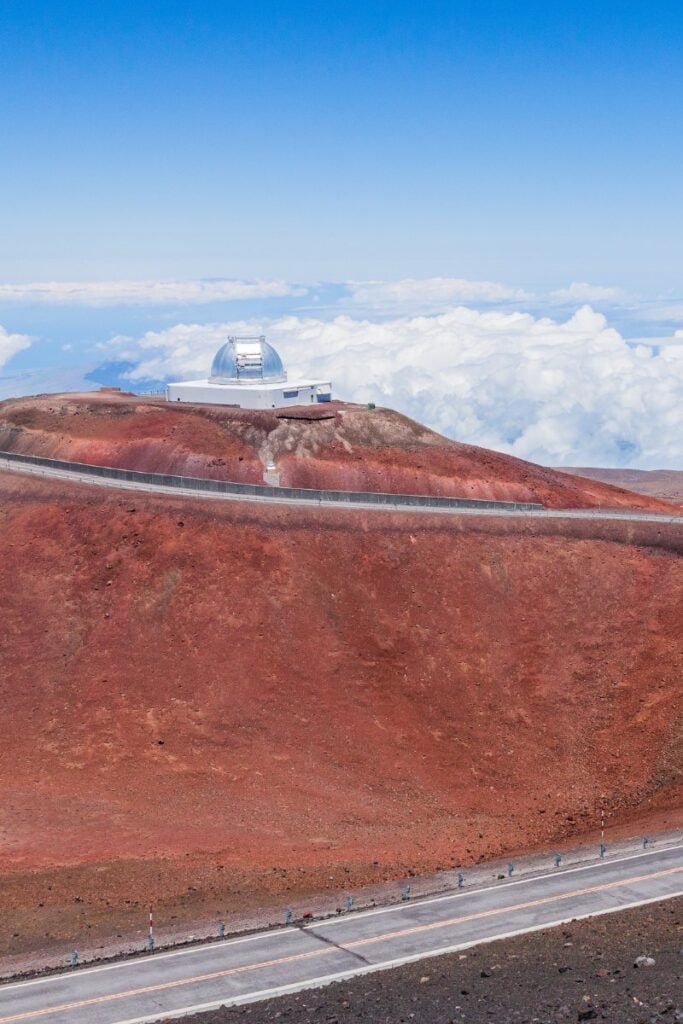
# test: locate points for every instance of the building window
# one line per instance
(290, 394)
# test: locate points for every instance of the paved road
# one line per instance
(592, 514)
(235, 971)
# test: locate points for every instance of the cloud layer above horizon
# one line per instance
(428, 295)
(143, 293)
(559, 392)
(407, 295)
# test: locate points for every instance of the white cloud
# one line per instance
(10, 344)
(658, 311)
(143, 293)
(427, 295)
(659, 341)
(572, 392)
(184, 349)
(580, 291)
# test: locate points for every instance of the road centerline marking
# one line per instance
(495, 911)
(365, 913)
(162, 986)
(310, 954)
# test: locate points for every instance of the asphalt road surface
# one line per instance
(167, 985)
(134, 485)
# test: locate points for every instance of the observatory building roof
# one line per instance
(247, 360)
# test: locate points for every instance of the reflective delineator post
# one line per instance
(405, 892)
(461, 879)
(150, 936)
(74, 958)
(288, 916)
(349, 902)
(511, 868)
(646, 842)
(558, 859)
(221, 930)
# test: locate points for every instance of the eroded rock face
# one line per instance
(346, 447)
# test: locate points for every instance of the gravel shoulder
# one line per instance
(581, 971)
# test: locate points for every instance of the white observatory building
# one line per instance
(247, 372)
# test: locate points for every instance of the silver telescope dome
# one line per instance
(247, 360)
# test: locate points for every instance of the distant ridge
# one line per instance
(656, 483)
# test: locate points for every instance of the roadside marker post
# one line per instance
(603, 848)
(646, 842)
(288, 916)
(558, 859)
(461, 879)
(221, 930)
(74, 958)
(511, 868)
(150, 936)
(349, 902)
(405, 891)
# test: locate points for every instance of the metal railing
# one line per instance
(265, 491)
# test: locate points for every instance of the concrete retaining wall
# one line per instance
(315, 496)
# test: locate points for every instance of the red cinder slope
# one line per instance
(299, 688)
(353, 448)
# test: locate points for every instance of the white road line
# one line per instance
(329, 922)
(328, 979)
(137, 961)
(492, 887)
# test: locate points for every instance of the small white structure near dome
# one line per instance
(248, 372)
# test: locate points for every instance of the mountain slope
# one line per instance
(344, 447)
(261, 689)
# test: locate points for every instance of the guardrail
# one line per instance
(265, 491)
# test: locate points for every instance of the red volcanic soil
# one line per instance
(344, 447)
(203, 700)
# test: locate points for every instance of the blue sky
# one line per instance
(535, 146)
(528, 141)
